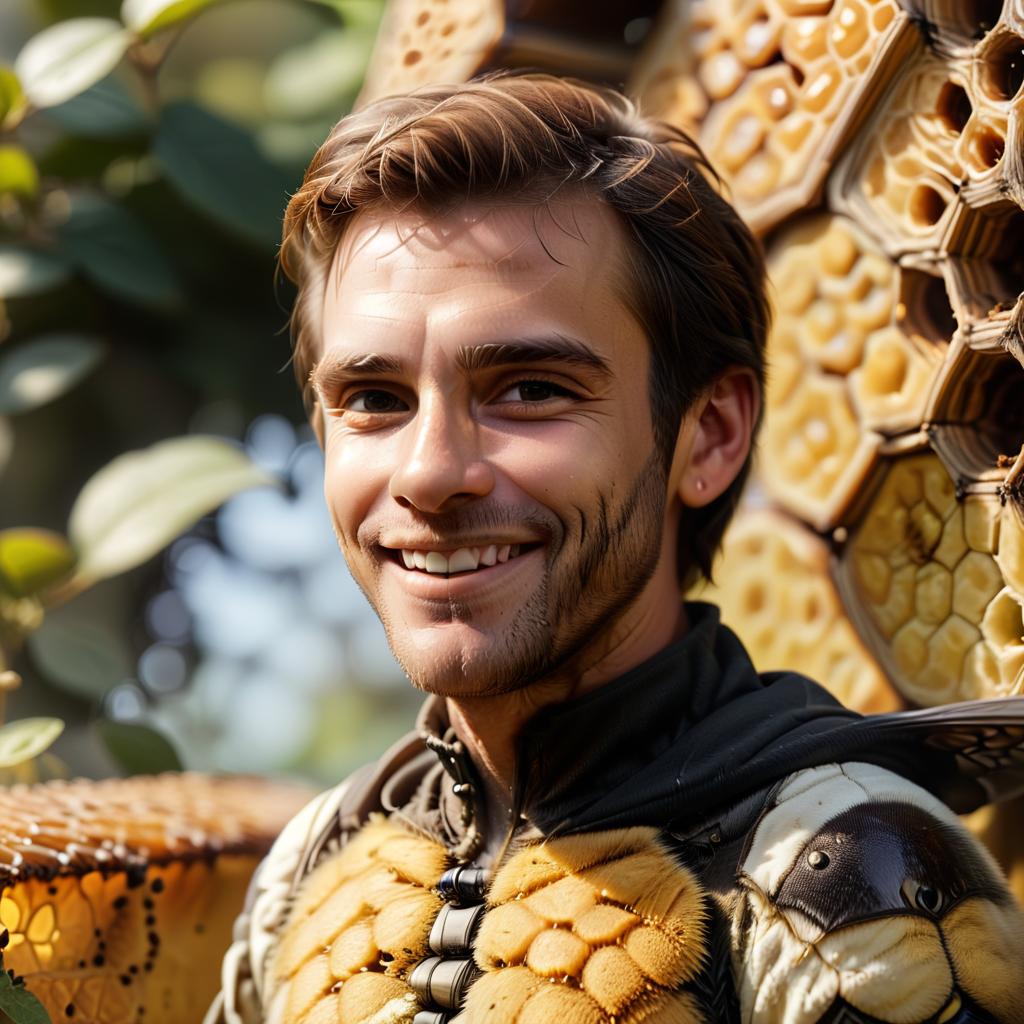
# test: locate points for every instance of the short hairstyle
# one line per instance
(697, 279)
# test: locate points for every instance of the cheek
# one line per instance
(563, 463)
(354, 481)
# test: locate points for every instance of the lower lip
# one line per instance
(443, 588)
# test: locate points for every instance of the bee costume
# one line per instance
(691, 842)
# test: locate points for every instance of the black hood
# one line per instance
(696, 728)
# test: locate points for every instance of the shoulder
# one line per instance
(866, 899)
(266, 906)
(321, 827)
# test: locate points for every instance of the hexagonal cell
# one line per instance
(925, 312)
(903, 175)
(781, 91)
(854, 349)
(814, 456)
(976, 414)
(983, 294)
(890, 387)
(1000, 64)
(921, 579)
(801, 625)
(1003, 630)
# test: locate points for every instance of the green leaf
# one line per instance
(139, 749)
(40, 370)
(79, 655)
(218, 167)
(28, 271)
(105, 110)
(147, 17)
(17, 1004)
(66, 58)
(12, 99)
(18, 174)
(140, 502)
(117, 252)
(31, 559)
(323, 73)
(27, 738)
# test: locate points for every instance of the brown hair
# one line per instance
(698, 279)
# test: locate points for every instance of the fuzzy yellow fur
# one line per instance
(610, 917)
(359, 923)
(580, 930)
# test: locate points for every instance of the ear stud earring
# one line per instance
(699, 483)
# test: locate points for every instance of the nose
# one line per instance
(441, 467)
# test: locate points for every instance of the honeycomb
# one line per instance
(428, 41)
(772, 86)
(117, 898)
(852, 361)
(931, 579)
(800, 621)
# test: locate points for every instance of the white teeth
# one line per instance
(435, 562)
(462, 560)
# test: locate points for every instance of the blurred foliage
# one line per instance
(147, 150)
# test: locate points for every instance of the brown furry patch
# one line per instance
(985, 942)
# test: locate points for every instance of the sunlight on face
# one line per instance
(490, 464)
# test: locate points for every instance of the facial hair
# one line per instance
(598, 563)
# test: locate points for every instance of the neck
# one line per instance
(489, 726)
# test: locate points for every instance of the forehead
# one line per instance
(476, 262)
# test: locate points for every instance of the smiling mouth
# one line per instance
(460, 562)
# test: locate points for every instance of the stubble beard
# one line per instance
(580, 597)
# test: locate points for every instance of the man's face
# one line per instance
(490, 464)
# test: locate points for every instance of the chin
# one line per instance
(458, 660)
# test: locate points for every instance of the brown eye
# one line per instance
(535, 391)
(375, 402)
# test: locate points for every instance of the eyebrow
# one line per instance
(558, 348)
(334, 369)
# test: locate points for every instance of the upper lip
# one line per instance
(448, 546)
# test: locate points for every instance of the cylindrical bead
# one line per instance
(463, 885)
(454, 929)
(443, 982)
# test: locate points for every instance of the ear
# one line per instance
(715, 438)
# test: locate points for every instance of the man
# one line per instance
(531, 341)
